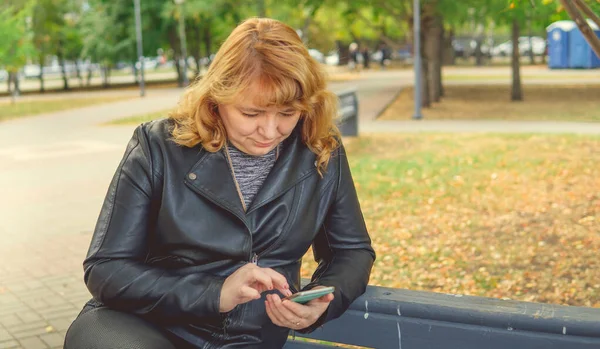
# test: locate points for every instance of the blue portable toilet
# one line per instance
(558, 44)
(581, 54)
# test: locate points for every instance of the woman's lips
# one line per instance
(263, 145)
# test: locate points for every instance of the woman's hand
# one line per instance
(247, 283)
(285, 313)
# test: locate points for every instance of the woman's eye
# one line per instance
(250, 115)
(288, 114)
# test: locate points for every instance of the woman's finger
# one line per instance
(272, 314)
(298, 310)
(247, 292)
(279, 281)
(258, 275)
(290, 319)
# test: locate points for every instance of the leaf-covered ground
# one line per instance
(505, 216)
(492, 102)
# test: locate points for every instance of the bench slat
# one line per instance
(291, 344)
(386, 331)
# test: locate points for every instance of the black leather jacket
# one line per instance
(172, 228)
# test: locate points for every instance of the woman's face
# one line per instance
(254, 129)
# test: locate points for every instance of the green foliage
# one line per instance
(105, 37)
(16, 39)
(104, 30)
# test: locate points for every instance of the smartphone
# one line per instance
(307, 296)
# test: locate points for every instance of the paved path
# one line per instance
(54, 172)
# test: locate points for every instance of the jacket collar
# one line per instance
(211, 176)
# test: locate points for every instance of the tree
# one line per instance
(103, 38)
(44, 32)
(15, 41)
(572, 6)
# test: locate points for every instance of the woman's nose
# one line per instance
(268, 127)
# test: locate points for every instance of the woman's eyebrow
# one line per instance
(257, 110)
(251, 109)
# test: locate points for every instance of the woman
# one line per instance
(210, 211)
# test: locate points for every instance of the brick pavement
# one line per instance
(41, 290)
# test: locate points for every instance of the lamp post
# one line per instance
(182, 40)
(417, 58)
(140, 52)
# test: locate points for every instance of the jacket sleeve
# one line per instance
(115, 270)
(342, 248)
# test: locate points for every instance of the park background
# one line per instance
(495, 192)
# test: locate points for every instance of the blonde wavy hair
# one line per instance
(268, 51)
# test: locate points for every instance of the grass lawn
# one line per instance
(28, 108)
(515, 216)
(489, 102)
(526, 76)
(138, 119)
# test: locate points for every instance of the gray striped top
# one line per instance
(251, 171)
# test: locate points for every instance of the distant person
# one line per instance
(210, 212)
(353, 52)
(384, 59)
(366, 58)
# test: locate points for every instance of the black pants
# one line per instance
(103, 328)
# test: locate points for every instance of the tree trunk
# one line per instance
(441, 57)
(343, 53)
(425, 91)
(433, 43)
(451, 56)
(61, 61)
(544, 54)
(478, 52)
(517, 92)
(89, 75)
(41, 77)
(16, 91)
(196, 49)
(78, 73)
(175, 46)
(9, 83)
(105, 74)
(178, 69)
(531, 53)
(208, 40)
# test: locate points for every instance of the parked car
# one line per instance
(149, 63)
(333, 58)
(459, 48)
(32, 71)
(538, 45)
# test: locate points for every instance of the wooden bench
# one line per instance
(404, 319)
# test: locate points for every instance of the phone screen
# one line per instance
(307, 296)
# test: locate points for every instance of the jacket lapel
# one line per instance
(211, 177)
